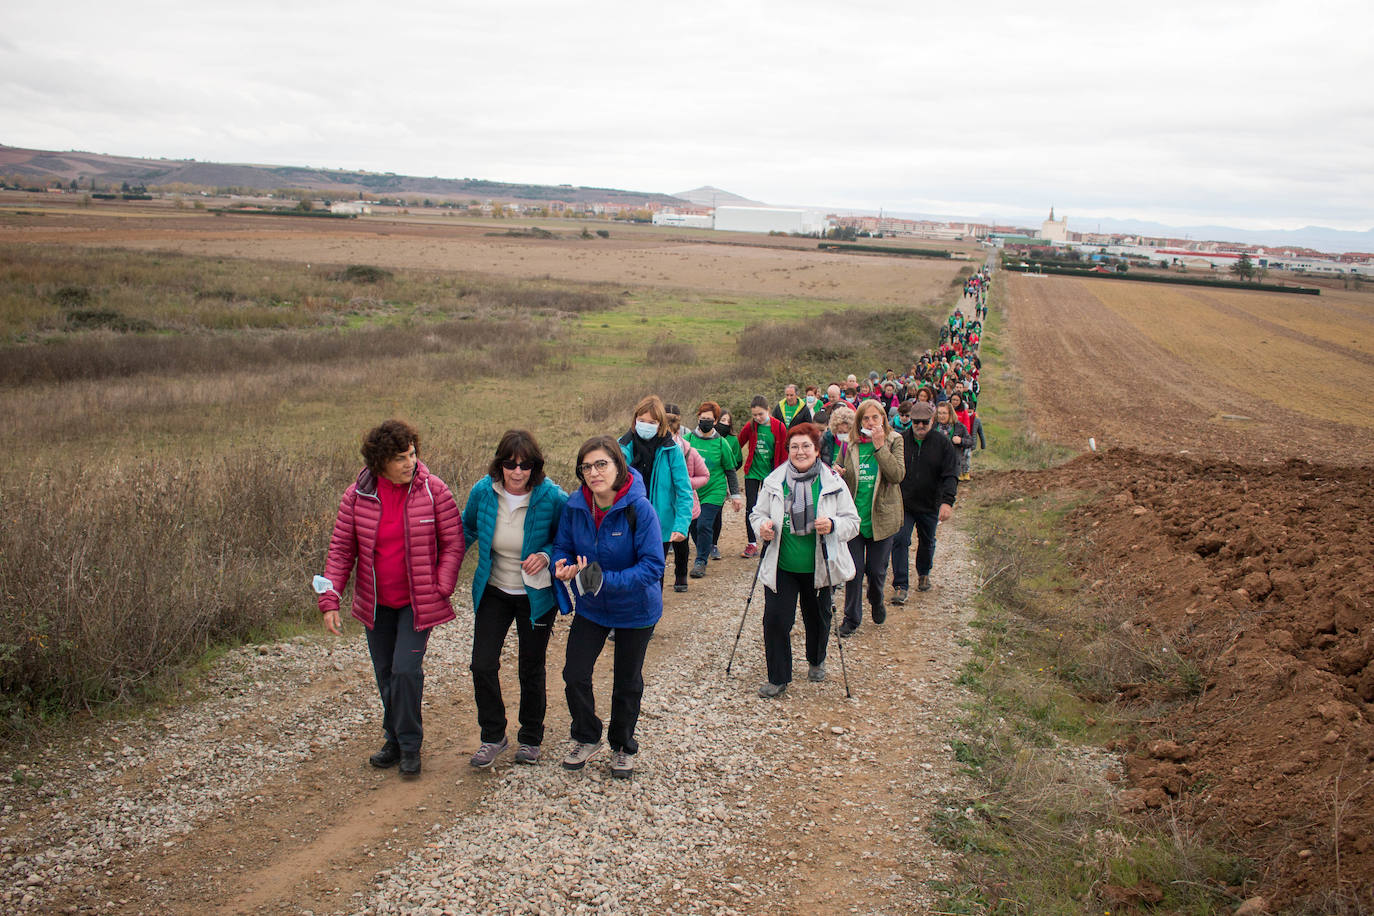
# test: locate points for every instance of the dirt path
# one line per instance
(256, 796)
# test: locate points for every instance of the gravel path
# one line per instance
(254, 795)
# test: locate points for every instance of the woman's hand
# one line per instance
(736, 502)
(676, 537)
(331, 622)
(535, 563)
(766, 531)
(824, 526)
(879, 437)
(566, 571)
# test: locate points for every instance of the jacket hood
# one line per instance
(366, 482)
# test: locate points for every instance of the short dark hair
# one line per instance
(758, 401)
(518, 445)
(382, 443)
(610, 447)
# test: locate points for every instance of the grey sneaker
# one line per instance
(715, 552)
(816, 672)
(923, 584)
(899, 596)
(580, 753)
(486, 754)
(527, 753)
(698, 569)
(771, 690)
(622, 765)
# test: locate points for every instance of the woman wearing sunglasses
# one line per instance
(511, 516)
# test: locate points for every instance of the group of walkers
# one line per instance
(834, 485)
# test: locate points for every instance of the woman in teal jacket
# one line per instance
(649, 447)
(512, 516)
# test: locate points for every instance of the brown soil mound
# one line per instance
(1261, 577)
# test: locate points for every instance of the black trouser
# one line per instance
(495, 613)
(679, 551)
(779, 615)
(699, 532)
(751, 497)
(926, 525)
(585, 642)
(398, 658)
(870, 561)
(901, 552)
(715, 529)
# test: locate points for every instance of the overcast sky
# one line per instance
(1248, 114)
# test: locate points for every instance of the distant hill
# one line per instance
(707, 196)
(41, 166)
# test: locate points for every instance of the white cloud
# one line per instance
(1225, 110)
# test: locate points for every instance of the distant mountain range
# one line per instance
(1320, 238)
(707, 196)
(41, 166)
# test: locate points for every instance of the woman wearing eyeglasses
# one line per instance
(609, 552)
(511, 516)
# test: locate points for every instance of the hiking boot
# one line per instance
(879, 614)
(715, 552)
(923, 585)
(680, 586)
(622, 765)
(751, 550)
(899, 596)
(387, 757)
(816, 673)
(771, 690)
(580, 753)
(698, 570)
(527, 753)
(846, 630)
(410, 764)
(486, 754)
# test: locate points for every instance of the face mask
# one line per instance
(810, 400)
(706, 425)
(867, 433)
(645, 430)
(843, 437)
(724, 428)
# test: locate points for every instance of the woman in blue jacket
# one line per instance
(511, 516)
(649, 448)
(609, 549)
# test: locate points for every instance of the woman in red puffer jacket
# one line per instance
(401, 526)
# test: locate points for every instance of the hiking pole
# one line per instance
(757, 570)
(839, 643)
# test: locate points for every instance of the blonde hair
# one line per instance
(652, 404)
(840, 414)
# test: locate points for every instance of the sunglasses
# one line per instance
(598, 466)
(920, 422)
(511, 464)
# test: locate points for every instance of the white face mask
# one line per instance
(645, 430)
(810, 400)
(868, 433)
(842, 437)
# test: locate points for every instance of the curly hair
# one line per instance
(393, 438)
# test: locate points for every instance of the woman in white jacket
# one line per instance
(805, 516)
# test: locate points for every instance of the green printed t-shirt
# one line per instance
(788, 412)
(718, 456)
(797, 553)
(762, 464)
(863, 493)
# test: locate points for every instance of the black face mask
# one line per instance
(706, 425)
(724, 428)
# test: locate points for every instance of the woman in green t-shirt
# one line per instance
(804, 515)
(719, 458)
(873, 470)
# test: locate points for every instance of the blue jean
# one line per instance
(704, 531)
(926, 523)
(398, 655)
(901, 553)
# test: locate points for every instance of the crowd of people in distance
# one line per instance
(832, 483)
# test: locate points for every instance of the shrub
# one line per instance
(604, 233)
(363, 273)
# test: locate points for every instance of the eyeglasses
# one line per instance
(920, 422)
(511, 464)
(598, 466)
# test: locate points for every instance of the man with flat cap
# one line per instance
(928, 491)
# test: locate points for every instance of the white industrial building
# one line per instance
(771, 219)
(683, 220)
